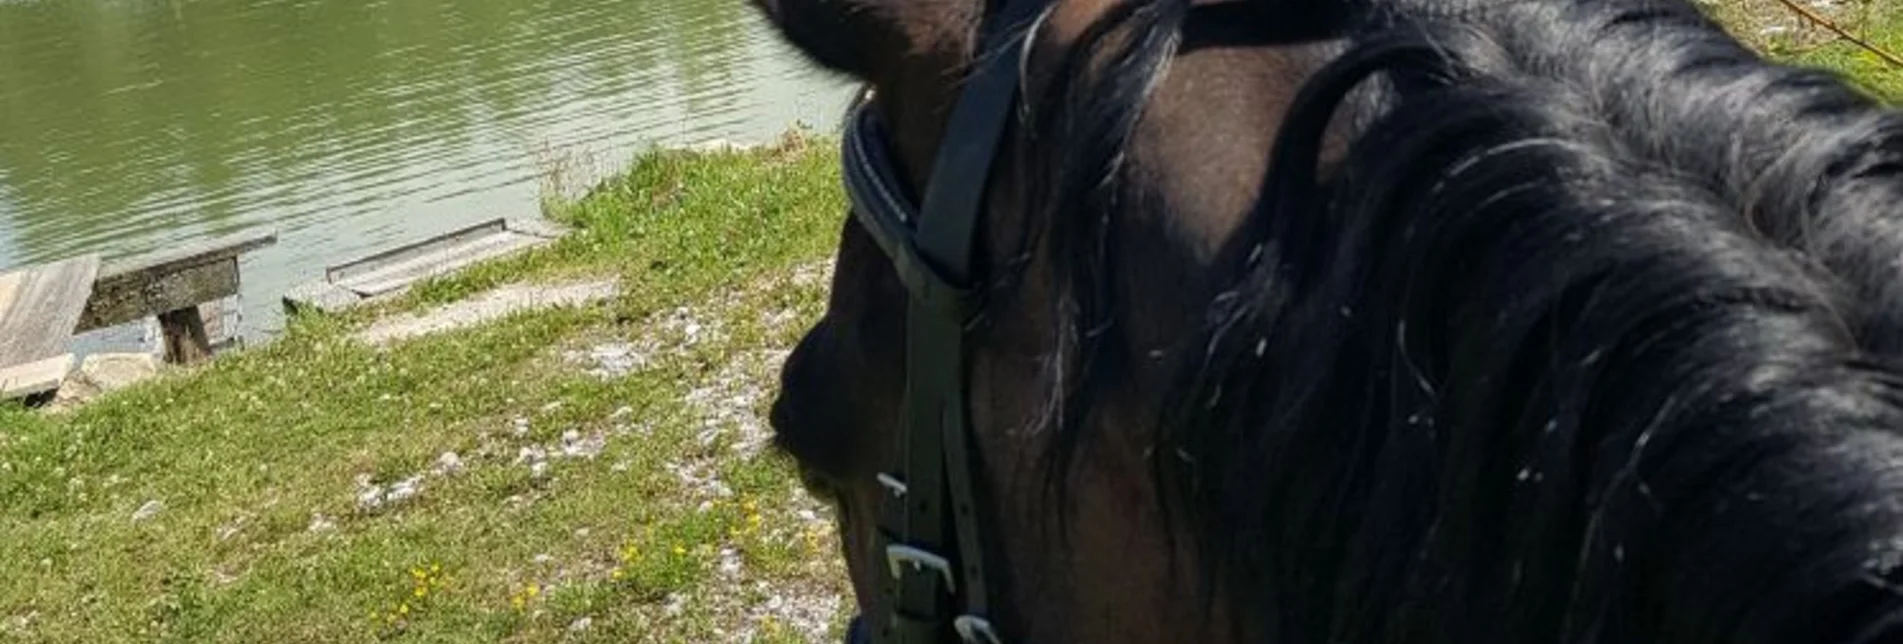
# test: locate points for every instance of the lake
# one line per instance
(354, 125)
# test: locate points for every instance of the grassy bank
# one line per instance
(588, 474)
(1775, 29)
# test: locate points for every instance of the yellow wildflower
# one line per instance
(615, 574)
(403, 608)
(532, 590)
(679, 550)
(421, 591)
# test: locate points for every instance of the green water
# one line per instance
(352, 125)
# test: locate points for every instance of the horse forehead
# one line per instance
(1069, 18)
(1203, 143)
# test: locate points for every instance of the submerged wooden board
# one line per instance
(394, 271)
(437, 261)
(39, 308)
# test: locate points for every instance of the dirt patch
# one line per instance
(486, 307)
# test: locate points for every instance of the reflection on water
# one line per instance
(350, 125)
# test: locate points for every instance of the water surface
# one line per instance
(353, 125)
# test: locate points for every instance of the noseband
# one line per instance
(934, 590)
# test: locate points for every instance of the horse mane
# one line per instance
(1595, 334)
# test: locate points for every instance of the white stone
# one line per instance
(448, 463)
(147, 510)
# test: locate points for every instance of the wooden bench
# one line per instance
(45, 305)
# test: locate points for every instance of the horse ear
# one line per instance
(841, 35)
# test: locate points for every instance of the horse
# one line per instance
(1353, 321)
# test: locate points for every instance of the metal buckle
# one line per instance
(975, 630)
(892, 484)
(898, 554)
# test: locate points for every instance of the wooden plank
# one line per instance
(213, 313)
(37, 377)
(410, 252)
(40, 306)
(155, 293)
(135, 287)
(193, 254)
(185, 339)
(390, 272)
(441, 260)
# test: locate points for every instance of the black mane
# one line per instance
(1594, 336)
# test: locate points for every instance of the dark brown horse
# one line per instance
(1575, 322)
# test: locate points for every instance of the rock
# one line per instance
(113, 371)
(575, 446)
(321, 523)
(448, 463)
(609, 360)
(105, 372)
(147, 510)
(370, 498)
(402, 490)
(580, 624)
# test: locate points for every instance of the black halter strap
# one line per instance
(935, 589)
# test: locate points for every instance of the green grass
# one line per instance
(256, 459)
(1780, 33)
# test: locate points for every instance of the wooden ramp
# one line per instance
(40, 306)
(394, 271)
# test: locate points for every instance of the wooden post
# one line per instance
(185, 339)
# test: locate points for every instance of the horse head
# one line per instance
(840, 406)
(1579, 325)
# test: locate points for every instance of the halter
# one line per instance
(931, 249)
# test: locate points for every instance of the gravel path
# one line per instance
(487, 307)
